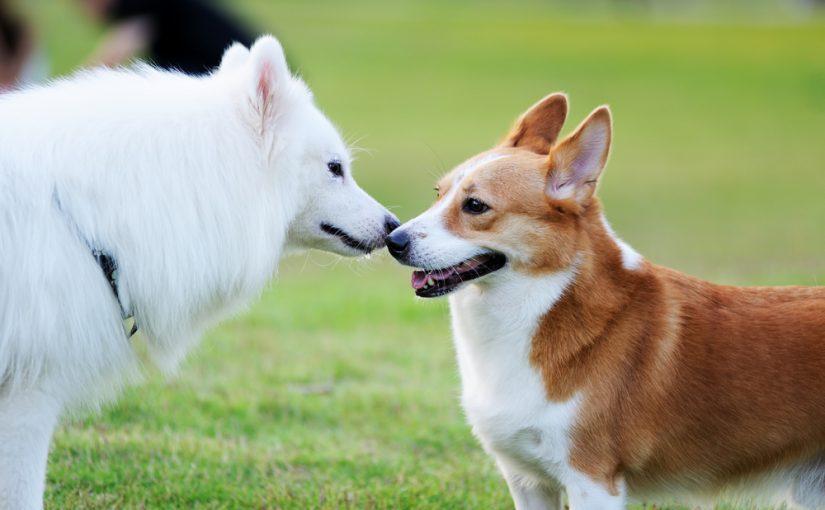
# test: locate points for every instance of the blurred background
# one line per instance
(338, 389)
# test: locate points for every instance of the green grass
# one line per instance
(338, 389)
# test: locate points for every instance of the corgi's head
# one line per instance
(521, 206)
(304, 154)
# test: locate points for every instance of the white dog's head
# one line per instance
(304, 152)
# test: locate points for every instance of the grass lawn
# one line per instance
(338, 388)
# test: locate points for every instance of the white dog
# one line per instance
(155, 196)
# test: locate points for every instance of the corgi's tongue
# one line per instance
(419, 279)
(422, 278)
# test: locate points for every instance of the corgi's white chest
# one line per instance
(503, 395)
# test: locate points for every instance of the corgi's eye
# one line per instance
(335, 168)
(473, 206)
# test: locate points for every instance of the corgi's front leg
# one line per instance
(528, 494)
(584, 493)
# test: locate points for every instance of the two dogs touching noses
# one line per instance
(584, 367)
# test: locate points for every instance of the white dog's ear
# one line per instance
(234, 57)
(268, 79)
(576, 163)
(538, 128)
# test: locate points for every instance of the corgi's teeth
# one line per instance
(430, 282)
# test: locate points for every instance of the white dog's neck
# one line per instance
(211, 222)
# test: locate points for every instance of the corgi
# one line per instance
(589, 370)
(163, 198)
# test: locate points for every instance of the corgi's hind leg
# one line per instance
(808, 488)
(27, 421)
(528, 495)
(583, 493)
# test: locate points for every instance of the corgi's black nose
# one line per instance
(391, 223)
(398, 243)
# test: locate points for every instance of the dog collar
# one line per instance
(109, 267)
(107, 264)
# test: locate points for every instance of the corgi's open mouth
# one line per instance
(438, 282)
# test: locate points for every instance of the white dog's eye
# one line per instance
(335, 168)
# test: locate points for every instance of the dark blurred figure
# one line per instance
(20, 61)
(187, 35)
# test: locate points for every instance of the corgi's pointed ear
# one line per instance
(233, 57)
(576, 162)
(538, 128)
(268, 78)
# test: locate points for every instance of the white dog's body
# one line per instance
(192, 186)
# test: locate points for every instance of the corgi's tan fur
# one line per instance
(588, 368)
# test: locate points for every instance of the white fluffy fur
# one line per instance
(195, 186)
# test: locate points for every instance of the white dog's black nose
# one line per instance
(398, 243)
(390, 223)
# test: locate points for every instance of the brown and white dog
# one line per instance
(589, 369)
